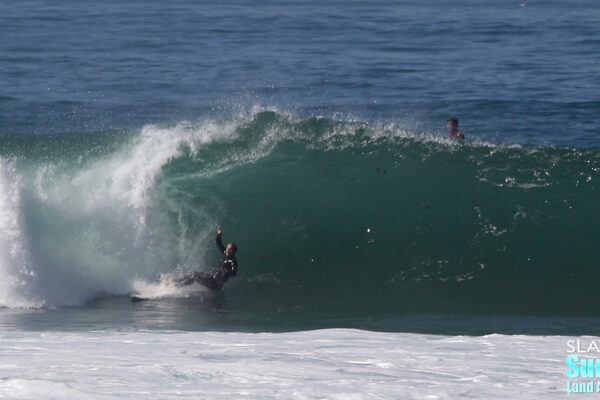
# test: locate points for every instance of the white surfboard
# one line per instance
(164, 288)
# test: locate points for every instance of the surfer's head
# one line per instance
(231, 249)
(452, 124)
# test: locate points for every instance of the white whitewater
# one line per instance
(325, 364)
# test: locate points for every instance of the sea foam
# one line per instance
(331, 364)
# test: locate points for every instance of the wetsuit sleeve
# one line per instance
(234, 267)
(220, 244)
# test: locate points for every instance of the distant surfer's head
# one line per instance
(231, 249)
(452, 123)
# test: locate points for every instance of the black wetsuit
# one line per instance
(227, 268)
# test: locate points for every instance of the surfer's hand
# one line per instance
(219, 230)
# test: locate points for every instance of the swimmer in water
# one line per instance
(453, 131)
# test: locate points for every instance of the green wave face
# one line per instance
(334, 218)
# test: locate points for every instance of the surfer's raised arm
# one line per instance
(219, 241)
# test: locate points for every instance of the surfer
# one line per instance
(453, 131)
(227, 268)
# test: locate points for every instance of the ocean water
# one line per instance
(314, 134)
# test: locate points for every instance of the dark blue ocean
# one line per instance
(315, 134)
(516, 72)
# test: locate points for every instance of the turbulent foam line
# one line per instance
(15, 262)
